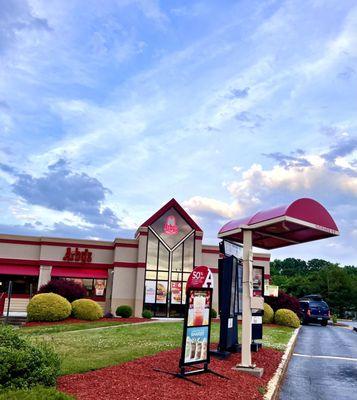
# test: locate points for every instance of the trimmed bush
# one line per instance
(287, 318)
(268, 316)
(37, 393)
(213, 313)
(48, 307)
(147, 314)
(285, 301)
(124, 311)
(24, 364)
(86, 309)
(68, 289)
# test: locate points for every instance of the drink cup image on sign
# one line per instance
(197, 339)
(198, 313)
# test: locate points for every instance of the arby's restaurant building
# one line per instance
(149, 271)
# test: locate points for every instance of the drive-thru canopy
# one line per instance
(304, 220)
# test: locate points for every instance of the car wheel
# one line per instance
(324, 323)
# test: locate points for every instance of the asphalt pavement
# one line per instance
(324, 365)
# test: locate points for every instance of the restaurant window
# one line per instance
(94, 287)
(170, 259)
(26, 285)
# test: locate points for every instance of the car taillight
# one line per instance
(309, 312)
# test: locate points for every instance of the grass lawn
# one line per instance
(86, 350)
(40, 330)
(37, 393)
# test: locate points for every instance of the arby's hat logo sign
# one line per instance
(170, 226)
(200, 277)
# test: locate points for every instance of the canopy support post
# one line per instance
(247, 289)
(246, 354)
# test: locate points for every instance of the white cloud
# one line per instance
(317, 179)
(198, 204)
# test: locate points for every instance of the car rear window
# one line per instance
(321, 304)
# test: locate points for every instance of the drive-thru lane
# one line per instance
(324, 365)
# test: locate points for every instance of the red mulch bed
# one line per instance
(75, 321)
(138, 380)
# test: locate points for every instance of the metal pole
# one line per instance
(246, 361)
(9, 293)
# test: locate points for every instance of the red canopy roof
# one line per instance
(302, 221)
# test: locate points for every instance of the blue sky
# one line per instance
(108, 109)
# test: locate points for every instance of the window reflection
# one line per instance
(151, 261)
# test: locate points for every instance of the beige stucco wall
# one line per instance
(20, 251)
(124, 287)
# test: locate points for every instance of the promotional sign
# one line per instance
(99, 286)
(196, 336)
(196, 344)
(176, 292)
(273, 291)
(196, 330)
(198, 308)
(200, 277)
(161, 292)
(150, 291)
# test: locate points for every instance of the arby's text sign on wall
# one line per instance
(200, 277)
(77, 255)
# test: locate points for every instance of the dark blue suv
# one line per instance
(314, 309)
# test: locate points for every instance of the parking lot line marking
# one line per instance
(327, 357)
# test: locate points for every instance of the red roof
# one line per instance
(172, 204)
(301, 221)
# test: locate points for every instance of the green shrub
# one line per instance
(24, 364)
(48, 307)
(37, 393)
(147, 314)
(287, 318)
(124, 311)
(268, 316)
(86, 309)
(213, 313)
(334, 318)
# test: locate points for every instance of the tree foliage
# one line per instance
(336, 284)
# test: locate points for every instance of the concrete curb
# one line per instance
(275, 382)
